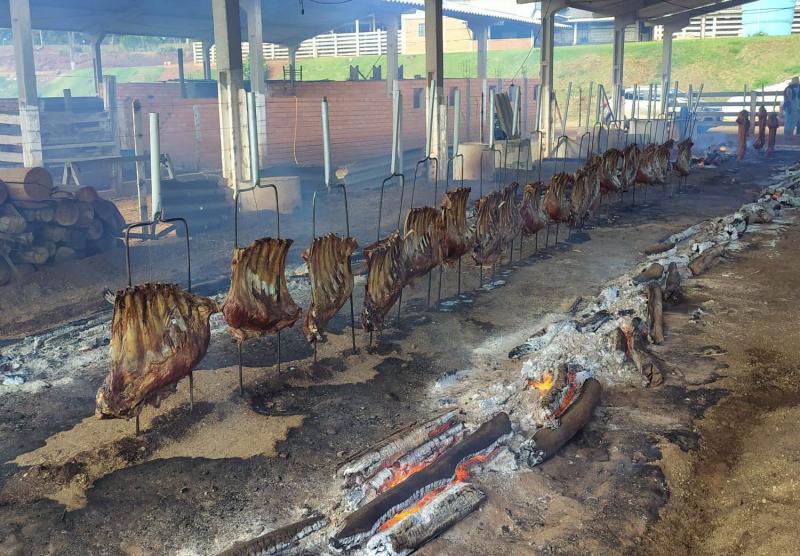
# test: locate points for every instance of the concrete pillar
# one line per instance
(256, 45)
(666, 62)
(617, 78)
(546, 77)
(26, 83)
(574, 34)
(392, 51)
(434, 65)
(228, 40)
(97, 63)
(292, 63)
(482, 36)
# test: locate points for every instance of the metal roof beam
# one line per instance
(696, 12)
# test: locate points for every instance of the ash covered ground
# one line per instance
(237, 466)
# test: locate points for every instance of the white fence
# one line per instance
(370, 43)
(724, 23)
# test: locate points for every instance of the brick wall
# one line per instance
(359, 111)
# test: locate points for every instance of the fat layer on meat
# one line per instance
(328, 261)
(684, 158)
(556, 203)
(422, 241)
(487, 234)
(159, 333)
(509, 219)
(386, 277)
(259, 301)
(630, 165)
(454, 224)
(533, 218)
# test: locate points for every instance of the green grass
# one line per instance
(726, 64)
(81, 81)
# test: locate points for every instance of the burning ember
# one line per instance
(461, 476)
(542, 386)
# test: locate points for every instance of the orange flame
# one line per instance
(400, 474)
(461, 475)
(568, 397)
(544, 385)
(411, 510)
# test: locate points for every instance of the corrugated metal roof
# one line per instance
(489, 9)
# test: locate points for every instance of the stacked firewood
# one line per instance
(41, 225)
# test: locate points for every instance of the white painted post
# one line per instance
(252, 127)
(155, 166)
(256, 43)
(456, 120)
(396, 103)
(138, 150)
(326, 142)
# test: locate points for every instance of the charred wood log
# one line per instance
(655, 315)
(549, 441)
(652, 272)
(672, 287)
(388, 450)
(366, 520)
(636, 349)
(279, 540)
(706, 259)
(657, 248)
(448, 508)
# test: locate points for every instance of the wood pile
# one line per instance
(40, 225)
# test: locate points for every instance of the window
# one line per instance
(451, 97)
(420, 29)
(418, 98)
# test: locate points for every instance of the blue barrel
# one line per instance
(768, 17)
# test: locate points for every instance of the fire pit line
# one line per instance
(365, 521)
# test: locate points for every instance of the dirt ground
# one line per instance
(675, 469)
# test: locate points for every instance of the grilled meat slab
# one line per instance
(487, 233)
(159, 333)
(454, 224)
(328, 261)
(609, 171)
(684, 159)
(630, 165)
(386, 276)
(258, 302)
(422, 241)
(533, 218)
(555, 202)
(509, 219)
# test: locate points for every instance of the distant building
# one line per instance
(771, 17)
(581, 27)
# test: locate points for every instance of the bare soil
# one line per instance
(195, 483)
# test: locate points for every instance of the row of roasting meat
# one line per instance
(161, 332)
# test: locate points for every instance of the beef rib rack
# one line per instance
(328, 260)
(159, 333)
(259, 302)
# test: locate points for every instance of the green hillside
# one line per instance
(727, 63)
